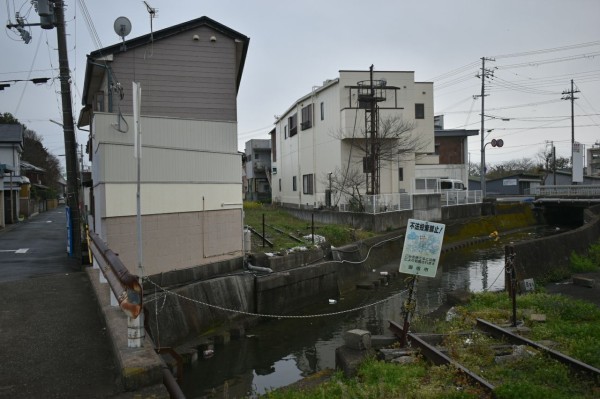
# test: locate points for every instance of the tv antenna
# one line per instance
(122, 28)
(153, 12)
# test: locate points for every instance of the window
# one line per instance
(306, 117)
(322, 111)
(419, 111)
(256, 156)
(307, 184)
(249, 158)
(285, 132)
(293, 124)
(280, 185)
(294, 188)
(400, 174)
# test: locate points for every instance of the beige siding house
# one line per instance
(191, 194)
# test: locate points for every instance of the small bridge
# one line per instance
(565, 204)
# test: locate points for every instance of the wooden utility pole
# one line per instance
(570, 95)
(485, 73)
(69, 130)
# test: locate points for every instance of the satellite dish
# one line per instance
(122, 28)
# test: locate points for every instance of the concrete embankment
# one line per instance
(226, 304)
(549, 257)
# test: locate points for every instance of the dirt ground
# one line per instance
(569, 289)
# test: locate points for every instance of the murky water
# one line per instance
(280, 352)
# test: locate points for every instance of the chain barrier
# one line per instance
(274, 316)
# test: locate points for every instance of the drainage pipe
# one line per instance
(259, 269)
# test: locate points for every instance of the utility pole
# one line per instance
(52, 15)
(485, 73)
(68, 129)
(570, 95)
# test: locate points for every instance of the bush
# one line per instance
(589, 263)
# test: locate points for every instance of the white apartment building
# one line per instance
(318, 135)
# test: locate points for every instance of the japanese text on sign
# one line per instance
(422, 247)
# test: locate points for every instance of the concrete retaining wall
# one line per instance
(172, 319)
(544, 257)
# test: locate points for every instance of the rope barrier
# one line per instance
(274, 316)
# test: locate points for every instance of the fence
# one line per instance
(567, 191)
(380, 203)
(464, 197)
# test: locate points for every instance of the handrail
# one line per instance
(124, 285)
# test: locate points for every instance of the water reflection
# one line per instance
(283, 351)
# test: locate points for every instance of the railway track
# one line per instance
(438, 356)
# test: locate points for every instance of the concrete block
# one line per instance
(348, 360)
(537, 317)
(584, 282)
(381, 341)
(390, 354)
(404, 360)
(357, 339)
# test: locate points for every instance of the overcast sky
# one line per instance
(538, 46)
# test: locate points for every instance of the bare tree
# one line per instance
(349, 183)
(395, 141)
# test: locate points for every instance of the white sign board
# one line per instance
(578, 150)
(509, 182)
(422, 247)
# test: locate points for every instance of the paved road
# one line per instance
(53, 343)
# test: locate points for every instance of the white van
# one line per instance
(451, 185)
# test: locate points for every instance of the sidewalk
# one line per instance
(54, 341)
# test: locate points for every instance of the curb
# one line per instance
(138, 367)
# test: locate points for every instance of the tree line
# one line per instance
(36, 154)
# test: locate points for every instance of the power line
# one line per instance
(549, 50)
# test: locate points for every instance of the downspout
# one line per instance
(108, 85)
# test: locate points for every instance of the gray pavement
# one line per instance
(53, 341)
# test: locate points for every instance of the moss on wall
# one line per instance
(506, 218)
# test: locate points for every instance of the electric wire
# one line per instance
(549, 50)
(28, 77)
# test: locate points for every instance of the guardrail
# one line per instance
(124, 285)
(567, 191)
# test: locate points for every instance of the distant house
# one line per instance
(191, 186)
(451, 145)
(593, 160)
(11, 148)
(33, 191)
(257, 170)
(517, 184)
(565, 178)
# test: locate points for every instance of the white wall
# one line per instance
(318, 150)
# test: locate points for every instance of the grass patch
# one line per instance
(574, 325)
(336, 235)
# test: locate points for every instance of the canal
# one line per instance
(279, 352)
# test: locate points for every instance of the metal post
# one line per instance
(408, 309)
(68, 128)
(510, 281)
(312, 221)
(263, 230)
